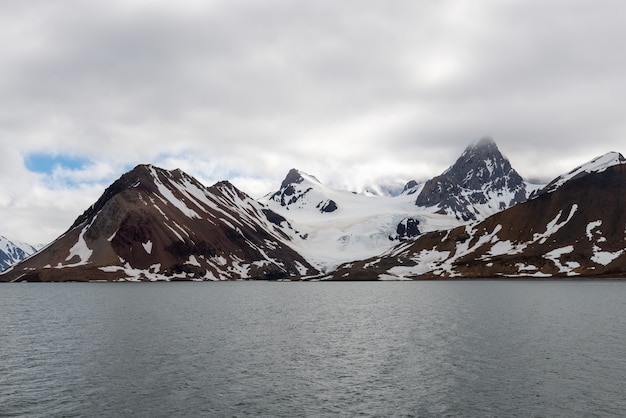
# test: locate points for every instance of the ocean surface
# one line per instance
(467, 348)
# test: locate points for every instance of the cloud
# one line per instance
(353, 92)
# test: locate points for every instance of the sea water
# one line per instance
(445, 348)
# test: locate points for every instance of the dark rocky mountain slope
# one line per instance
(480, 183)
(574, 227)
(155, 224)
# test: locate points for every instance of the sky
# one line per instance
(355, 92)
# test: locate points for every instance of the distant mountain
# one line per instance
(341, 226)
(337, 225)
(575, 226)
(480, 183)
(477, 219)
(13, 251)
(303, 191)
(153, 224)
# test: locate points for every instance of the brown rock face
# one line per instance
(153, 224)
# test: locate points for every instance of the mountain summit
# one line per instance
(477, 219)
(303, 191)
(597, 165)
(480, 183)
(576, 229)
(12, 251)
(154, 224)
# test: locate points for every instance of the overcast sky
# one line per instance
(354, 92)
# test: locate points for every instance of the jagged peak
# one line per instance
(483, 142)
(481, 161)
(140, 169)
(479, 176)
(6, 243)
(478, 152)
(225, 185)
(295, 176)
(411, 184)
(410, 187)
(596, 165)
(146, 175)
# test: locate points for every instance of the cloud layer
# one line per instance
(354, 92)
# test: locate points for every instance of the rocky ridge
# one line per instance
(12, 251)
(574, 227)
(477, 219)
(154, 224)
(481, 182)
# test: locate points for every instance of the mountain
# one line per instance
(597, 165)
(341, 226)
(336, 225)
(480, 183)
(12, 251)
(575, 226)
(154, 224)
(478, 219)
(303, 191)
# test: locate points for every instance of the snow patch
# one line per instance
(175, 233)
(219, 260)
(301, 269)
(501, 247)
(553, 226)
(555, 256)
(193, 261)
(392, 277)
(591, 226)
(80, 249)
(147, 246)
(524, 267)
(169, 196)
(604, 257)
(136, 275)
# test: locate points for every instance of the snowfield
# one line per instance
(362, 226)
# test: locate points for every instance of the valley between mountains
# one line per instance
(478, 219)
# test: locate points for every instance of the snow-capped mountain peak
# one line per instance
(301, 191)
(480, 183)
(13, 251)
(295, 176)
(576, 230)
(412, 187)
(155, 224)
(597, 165)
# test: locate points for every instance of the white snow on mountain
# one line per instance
(12, 251)
(597, 165)
(360, 226)
(480, 183)
(340, 226)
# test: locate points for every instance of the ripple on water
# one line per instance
(319, 349)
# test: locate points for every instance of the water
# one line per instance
(483, 348)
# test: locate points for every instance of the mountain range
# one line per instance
(13, 251)
(478, 218)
